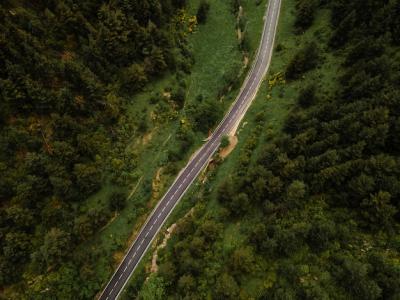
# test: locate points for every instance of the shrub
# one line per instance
(202, 11)
(225, 141)
(179, 97)
(117, 201)
(307, 96)
(305, 60)
(305, 14)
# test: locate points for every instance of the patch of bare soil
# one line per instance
(167, 95)
(154, 266)
(67, 56)
(167, 236)
(224, 152)
(239, 34)
(156, 184)
(147, 138)
(118, 256)
(245, 61)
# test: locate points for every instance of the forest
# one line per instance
(315, 205)
(315, 211)
(67, 69)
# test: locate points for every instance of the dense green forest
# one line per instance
(102, 102)
(313, 209)
(307, 212)
(67, 69)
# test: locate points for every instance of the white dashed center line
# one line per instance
(235, 115)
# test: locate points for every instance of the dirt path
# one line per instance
(167, 236)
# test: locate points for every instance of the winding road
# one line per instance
(188, 174)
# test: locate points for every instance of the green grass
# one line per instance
(215, 49)
(274, 104)
(216, 52)
(254, 16)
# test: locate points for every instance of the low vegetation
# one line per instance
(67, 70)
(98, 102)
(102, 102)
(310, 210)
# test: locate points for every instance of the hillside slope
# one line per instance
(101, 103)
(307, 205)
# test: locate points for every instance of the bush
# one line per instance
(245, 43)
(175, 154)
(179, 97)
(199, 98)
(225, 141)
(204, 115)
(279, 47)
(155, 98)
(202, 11)
(117, 201)
(305, 60)
(305, 14)
(307, 96)
(235, 4)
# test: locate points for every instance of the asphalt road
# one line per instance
(185, 178)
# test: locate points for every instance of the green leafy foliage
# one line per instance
(312, 213)
(204, 115)
(117, 201)
(307, 96)
(224, 141)
(305, 14)
(153, 289)
(67, 69)
(202, 11)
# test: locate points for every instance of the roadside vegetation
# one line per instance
(101, 105)
(307, 205)
(68, 73)
(214, 77)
